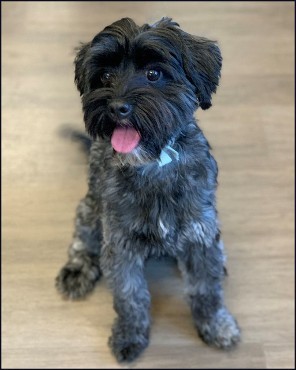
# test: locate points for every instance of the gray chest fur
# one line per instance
(147, 214)
(155, 210)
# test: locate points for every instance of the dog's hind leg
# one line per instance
(79, 275)
(203, 269)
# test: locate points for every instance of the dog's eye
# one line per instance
(153, 75)
(106, 77)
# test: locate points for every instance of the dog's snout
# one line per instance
(120, 109)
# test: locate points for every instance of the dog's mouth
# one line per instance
(125, 139)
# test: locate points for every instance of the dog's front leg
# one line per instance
(202, 266)
(123, 270)
(80, 273)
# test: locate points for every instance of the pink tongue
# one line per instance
(125, 139)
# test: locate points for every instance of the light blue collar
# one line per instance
(167, 155)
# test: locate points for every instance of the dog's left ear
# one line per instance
(201, 58)
(202, 62)
(80, 68)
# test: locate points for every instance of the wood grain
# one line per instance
(43, 176)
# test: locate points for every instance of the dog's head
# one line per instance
(141, 85)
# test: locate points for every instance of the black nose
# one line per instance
(120, 109)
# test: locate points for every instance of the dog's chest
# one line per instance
(147, 214)
(157, 215)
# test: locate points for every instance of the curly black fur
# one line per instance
(135, 207)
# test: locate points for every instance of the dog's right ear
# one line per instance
(80, 68)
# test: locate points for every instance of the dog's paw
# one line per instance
(127, 346)
(76, 280)
(126, 351)
(221, 331)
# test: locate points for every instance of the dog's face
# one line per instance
(141, 85)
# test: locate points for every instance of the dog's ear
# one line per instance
(80, 68)
(202, 62)
(201, 59)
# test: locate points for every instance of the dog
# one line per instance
(152, 178)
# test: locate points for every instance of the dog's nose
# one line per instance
(120, 109)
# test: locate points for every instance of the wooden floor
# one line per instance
(251, 128)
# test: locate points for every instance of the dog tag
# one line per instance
(166, 156)
(164, 159)
(173, 152)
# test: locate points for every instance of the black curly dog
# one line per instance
(152, 179)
